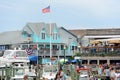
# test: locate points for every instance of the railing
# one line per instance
(54, 52)
(105, 49)
(99, 51)
(86, 51)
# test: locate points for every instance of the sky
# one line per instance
(70, 14)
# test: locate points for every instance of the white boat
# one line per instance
(49, 72)
(19, 61)
(84, 74)
(21, 70)
(12, 56)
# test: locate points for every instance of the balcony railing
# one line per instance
(99, 51)
(46, 52)
(84, 51)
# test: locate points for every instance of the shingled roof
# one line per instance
(37, 27)
(82, 32)
(11, 37)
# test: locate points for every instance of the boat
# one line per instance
(84, 73)
(19, 61)
(49, 72)
(14, 56)
(22, 70)
(50, 69)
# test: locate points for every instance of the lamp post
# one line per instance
(64, 53)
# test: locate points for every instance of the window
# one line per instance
(54, 47)
(29, 35)
(62, 47)
(21, 54)
(55, 36)
(43, 35)
(72, 48)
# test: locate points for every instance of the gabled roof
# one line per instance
(11, 37)
(37, 27)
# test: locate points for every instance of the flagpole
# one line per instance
(50, 33)
(47, 10)
(50, 42)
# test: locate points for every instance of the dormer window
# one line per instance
(43, 35)
(29, 35)
(55, 36)
(43, 29)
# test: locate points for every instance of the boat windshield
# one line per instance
(18, 53)
(50, 69)
(6, 53)
(21, 54)
(84, 72)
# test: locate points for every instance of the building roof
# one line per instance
(69, 32)
(37, 27)
(11, 37)
(83, 32)
(15, 37)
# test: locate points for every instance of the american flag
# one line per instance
(29, 51)
(46, 10)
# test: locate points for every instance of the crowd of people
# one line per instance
(109, 72)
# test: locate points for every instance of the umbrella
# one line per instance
(33, 58)
(74, 60)
(113, 41)
(61, 61)
(94, 42)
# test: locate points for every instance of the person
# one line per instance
(99, 70)
(25, 77)
(112, 74)
(76, 68)
(59, 75)
(107, 73)
(44, 78)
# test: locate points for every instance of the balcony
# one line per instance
(99, 51)
(46, 52)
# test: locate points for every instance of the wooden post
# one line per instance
(88, 62)
(98, 61)
(6, 73)
(108, 61)
(2, 73)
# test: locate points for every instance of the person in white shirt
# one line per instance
(107, 73)
(112, 74)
